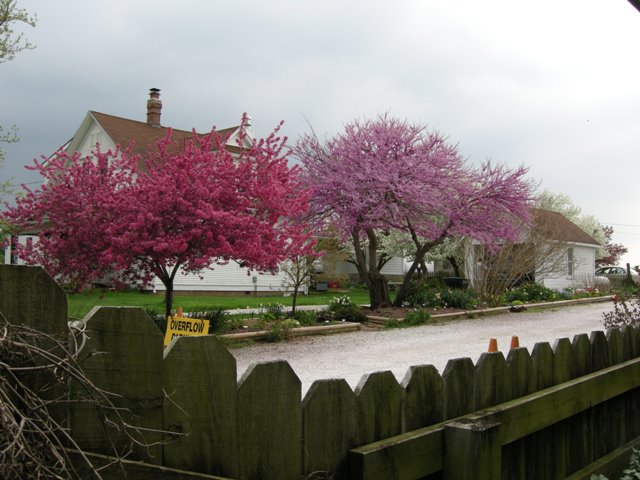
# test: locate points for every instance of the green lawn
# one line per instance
(81, 303)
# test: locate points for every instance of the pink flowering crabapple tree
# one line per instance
(185, 206)
(386, 175)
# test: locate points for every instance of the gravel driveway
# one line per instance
(352, 355)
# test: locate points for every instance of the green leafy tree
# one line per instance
(12, 42)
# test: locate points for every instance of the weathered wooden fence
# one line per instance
(544, 414)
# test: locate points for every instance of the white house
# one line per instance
(394, 269)
(110, 131)
(572, 264)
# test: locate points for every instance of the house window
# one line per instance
(570, 262)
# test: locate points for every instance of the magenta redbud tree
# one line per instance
(182, 206)
(385, 175)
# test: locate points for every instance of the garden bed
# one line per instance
(340, 327)
(381, 316)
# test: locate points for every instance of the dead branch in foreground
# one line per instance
(36, 374)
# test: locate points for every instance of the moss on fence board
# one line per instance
(270, 422)
(123, 355)
(200, 381)
(329, 427)
(29, 296)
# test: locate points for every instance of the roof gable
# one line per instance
(126, 132)
(563, 229)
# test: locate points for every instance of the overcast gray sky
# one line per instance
(554, 84)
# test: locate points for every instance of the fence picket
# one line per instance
(329, 427)
(459, 381)
(563, 371)
(380, 405)
(540, 461)
(29, 296)
(601, 441)
(202, 404)
(270, 422)
(618, 428)
(422, 402)
(520, 371)
(123, 355)
(492, 382)
(580, 425)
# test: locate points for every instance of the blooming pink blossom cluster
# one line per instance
(387, 174)
(186, 206)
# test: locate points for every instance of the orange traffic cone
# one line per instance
(515, 343)
(179, 312)
(493, 345)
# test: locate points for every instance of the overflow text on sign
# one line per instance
(181, 327)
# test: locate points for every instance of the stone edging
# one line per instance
(298, 331)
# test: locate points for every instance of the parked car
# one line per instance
(616, 274)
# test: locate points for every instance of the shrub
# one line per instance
(218, 318)
(393, 323)
(532, 292)
(340, 302)
(626, 311)
(306, 317)
(281, 330)
(342, 308)
(412, 318)
(583, 292)
(271, 312)
(349, 314)
(416, 317)
(457, 298)
(442, 297)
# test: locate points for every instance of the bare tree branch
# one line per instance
(36, 374)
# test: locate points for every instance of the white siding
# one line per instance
(227, 278)
(94, 135)
(395, 266)
(584, 258)
(22, 240)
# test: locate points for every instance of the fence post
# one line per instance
(472, 450)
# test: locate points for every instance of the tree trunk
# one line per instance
(378, 290)
(294, 299)
(377, 283)
(167, 280)
(408, 285)
(454, 264)
(367, 268)
(168, 297)
(362, 274)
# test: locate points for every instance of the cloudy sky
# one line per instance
(554, 84)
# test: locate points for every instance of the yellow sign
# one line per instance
(182, 327)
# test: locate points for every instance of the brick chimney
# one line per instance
(154, 106)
